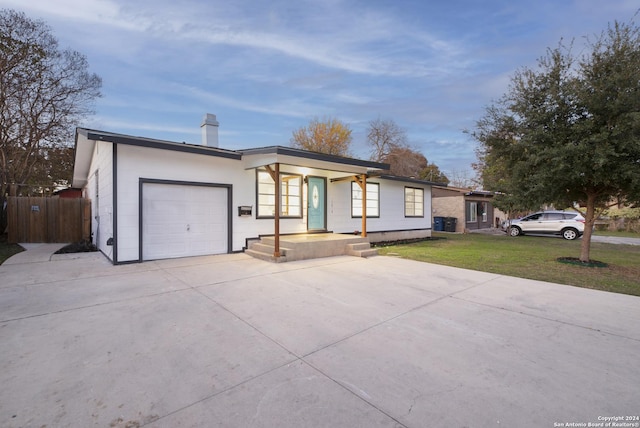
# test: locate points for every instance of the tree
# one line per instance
(389, 144)
(329, 136)
(568, 132)
(44, 93)
(383, 136)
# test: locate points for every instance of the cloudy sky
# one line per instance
(266, 68)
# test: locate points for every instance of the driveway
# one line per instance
(231, 341)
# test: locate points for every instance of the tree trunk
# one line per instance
(590, 220)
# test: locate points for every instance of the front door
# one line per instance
(316, 203)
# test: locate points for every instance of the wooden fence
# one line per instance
(37, 219)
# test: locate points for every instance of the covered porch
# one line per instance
(318, 241)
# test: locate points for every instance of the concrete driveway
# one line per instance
(231, 341)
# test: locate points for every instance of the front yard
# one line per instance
(530, 257)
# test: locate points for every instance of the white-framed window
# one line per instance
(413, 202)
(485, 211)
(472, 215)
(290, 195)
(373, 200)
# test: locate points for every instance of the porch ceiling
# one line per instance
(257, 158)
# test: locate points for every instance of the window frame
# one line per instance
(406, 202)
(356, 189)
(283, 195)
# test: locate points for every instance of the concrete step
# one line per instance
(265, 256)
(365, 253)
(359, 246)
(362, 249)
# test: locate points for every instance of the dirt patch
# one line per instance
(78, 247)
(577, 262)
(402, 242)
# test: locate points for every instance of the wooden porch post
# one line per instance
(276, 249)
(364, 205)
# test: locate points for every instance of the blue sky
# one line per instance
(266, 68)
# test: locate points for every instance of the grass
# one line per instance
(530, 257)
(7, 250)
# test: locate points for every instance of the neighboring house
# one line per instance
(472, 209)
(69, 192)
(157, 199)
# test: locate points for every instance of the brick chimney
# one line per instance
(209, 129)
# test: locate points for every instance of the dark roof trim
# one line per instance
(290, 151)
(410, 180)
(157, 144)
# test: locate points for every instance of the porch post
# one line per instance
(276, 244)
(364, 205)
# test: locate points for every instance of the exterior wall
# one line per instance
(100, 190)
(451, 205)
(392, 216)
(135, 162)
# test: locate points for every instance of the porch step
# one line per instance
(265, 252)
(266, 257)
(311, 246)
(362, 250)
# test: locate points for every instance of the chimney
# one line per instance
(209, 129)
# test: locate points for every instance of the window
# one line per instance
(472, 215)
(413, 202)
(373, 200)
(290, 195)
(485, 212)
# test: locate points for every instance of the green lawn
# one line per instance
(8, 250)
(530, 257)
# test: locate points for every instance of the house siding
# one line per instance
(391, 217)
(100, 190)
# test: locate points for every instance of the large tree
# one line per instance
(384, 135)
(568, 132)
(389, 144)
(329, 136)
(45, 92)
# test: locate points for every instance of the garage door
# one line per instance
(183, 220)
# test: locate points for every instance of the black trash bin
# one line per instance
(450, 224)
(438, 224)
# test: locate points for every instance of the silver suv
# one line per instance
(568, 224)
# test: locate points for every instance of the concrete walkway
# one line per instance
(231, 341)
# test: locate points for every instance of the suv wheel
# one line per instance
(569, 234)
(515, 231)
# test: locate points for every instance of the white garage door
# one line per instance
(183, 220)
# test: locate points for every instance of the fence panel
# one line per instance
(38, 219)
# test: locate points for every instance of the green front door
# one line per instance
(316, 204)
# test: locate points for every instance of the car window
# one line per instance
(533, 217)
(553, 216)
(569, 216)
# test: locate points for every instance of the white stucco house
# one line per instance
(154, 199)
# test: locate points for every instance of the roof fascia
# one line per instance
(305, 155)
(159, 144)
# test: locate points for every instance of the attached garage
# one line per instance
(179, 219)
